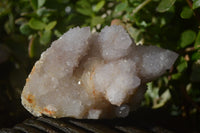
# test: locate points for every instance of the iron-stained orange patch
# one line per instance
(49, 112)
(27, 79)
(33, 69)
(30, 98)
(93, 92)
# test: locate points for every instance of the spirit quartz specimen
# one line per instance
(100, 75)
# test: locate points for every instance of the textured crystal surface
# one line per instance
(84, 75)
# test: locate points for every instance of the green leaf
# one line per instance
(45, 38)
(182, 65)
(196, 4)
(162, 99)
(128, 17)
(34, 4)
(176, 76)
(57, 33)
(197, 41)
(9, 25)
(186, 13)
(152, 91)
(44, 12)
(4, 10)
(165, 5)
(195, 56)
(121, 7)
(84, 4)
(99, 5)
(51, 25)
(152, 94)
(34, 48)
(36, 24)
(84, 7)
(187, 37)
(25, 29)
(41, 3)
(37, 3)
(97, 20)
(31, 47)
(41, 11)
(85, 11)
(134, 32)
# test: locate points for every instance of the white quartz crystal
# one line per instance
(100, 75)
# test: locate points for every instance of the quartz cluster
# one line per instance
(99, 75)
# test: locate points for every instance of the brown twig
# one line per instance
(196, 14)
(190, 49)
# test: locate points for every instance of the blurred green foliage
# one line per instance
(27, 27)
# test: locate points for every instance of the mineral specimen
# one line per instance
(100, 75)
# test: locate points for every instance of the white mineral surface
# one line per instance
(100, 75)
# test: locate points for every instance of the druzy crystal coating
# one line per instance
(92, 75)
